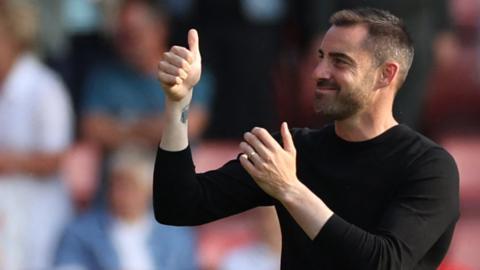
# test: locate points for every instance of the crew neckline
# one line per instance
(390, 133)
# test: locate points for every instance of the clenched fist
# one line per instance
(180, 68)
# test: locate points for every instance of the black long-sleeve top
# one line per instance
(395, 199)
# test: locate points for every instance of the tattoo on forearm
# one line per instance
(184, 116)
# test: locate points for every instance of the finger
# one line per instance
(248, 166)
(193, 42)
(266, 138)
(257, 145)
(287, 139)
(169, 79)
(183, 53)
(172, 70)
(176, 60)
(253, 156)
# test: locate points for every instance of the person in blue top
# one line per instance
(123, 100)
(124, 234)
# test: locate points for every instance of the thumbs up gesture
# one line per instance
(180, 68)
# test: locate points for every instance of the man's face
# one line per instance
(345, 74)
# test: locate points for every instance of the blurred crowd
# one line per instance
(81, 115)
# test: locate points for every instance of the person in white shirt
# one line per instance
(35, 130)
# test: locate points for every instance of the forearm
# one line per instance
(38, 164)
(175, 132)
(308, 210)
(150, 130)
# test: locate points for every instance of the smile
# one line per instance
(322, 91)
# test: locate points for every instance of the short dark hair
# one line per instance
(387, 35)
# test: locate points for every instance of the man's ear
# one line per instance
(388, 73)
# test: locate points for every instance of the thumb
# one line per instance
(193, 42)
(287, 138)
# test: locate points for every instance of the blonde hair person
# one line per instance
(20, 18)
(35, 130)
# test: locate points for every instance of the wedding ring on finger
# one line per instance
(252, 154)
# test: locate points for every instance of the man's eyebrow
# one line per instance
(340, 55)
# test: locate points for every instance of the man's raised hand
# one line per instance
(180, 68)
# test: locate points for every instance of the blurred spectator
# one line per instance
(82, 25)
(264, 252)
(35, 129)
(124, 235)
(71, 39)
(123, 99)
(452, 117)
(453, 100)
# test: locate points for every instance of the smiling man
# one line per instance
(363, 193)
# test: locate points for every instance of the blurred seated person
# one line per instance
(35, 130)
(123, 234)
(123, 101)
(452, 103)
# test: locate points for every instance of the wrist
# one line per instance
(175, 110)
(308, 210)
(178, 105)
(292, 193)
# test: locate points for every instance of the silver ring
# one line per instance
(252, 154)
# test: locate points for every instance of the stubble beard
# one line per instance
(341, 105)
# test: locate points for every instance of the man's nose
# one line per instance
(321, 71)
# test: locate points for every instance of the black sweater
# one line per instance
(395, 199)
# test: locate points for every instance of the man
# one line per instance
(124, 235)
(35, 131)
(364, 193)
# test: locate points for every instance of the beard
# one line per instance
(341, 103)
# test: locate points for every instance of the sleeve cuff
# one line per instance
(333, 231)
(175, 162)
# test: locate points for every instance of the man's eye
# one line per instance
(338, 61)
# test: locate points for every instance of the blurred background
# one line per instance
(79, 102)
